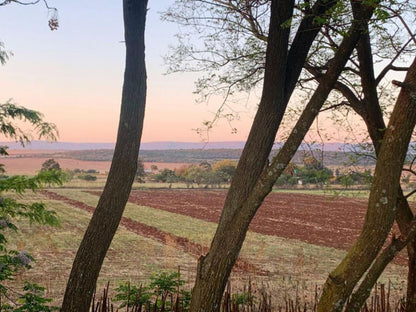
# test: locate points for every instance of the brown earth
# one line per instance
(321, 220)
(145, 230)
(331, 221)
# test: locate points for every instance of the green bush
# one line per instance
(161, 286)
(87, 177)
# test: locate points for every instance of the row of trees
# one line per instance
(203, 174)
(222, 172)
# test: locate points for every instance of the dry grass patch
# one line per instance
(131, 257)
(291, 264)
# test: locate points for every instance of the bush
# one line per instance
(91, 171)
(162, 285)
(87, 177)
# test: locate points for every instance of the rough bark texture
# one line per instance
(373, 118)
(248, 188)
(369, 109)
(382, 202)
(213, 269)
(386, 256)
(106, 218)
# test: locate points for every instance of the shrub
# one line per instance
(87, 177)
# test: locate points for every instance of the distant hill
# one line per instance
(180, 152)
(72, 146)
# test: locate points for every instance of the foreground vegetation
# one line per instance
(294, 266)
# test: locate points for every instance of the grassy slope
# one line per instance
(287, 260)
(131, 257)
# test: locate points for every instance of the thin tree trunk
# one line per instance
(382, 202)
(106, 218)
(359, 297)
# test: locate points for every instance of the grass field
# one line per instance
(291, 264)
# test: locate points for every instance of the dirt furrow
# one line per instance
(145, 230)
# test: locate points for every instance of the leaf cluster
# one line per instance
(32, 300)
(10, 112)
(161, 285)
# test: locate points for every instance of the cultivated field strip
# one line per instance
(130, 258)
(144, 230)
(284, 259)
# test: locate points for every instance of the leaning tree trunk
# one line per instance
(106, 218)
(369, 109)
(382, 202)
(213, 270)
(252, 181)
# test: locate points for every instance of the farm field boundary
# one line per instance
(283, 257)
(152, 232)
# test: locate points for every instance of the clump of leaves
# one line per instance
(11, 210)
(33, 300)
(162, 285)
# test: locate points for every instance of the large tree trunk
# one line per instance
(213, 269)
(373, 118)
(253, 179)
(106, 218)
(382, 202)
(369, 109)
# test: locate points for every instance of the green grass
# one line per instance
(328, 192)
(131, 257)
(287, 260)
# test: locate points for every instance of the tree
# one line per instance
(281, 67)
(195, 174)
(245, 15)
(254, 178)
(381, 207)
(140, 173)
(363, 93)
(50, 164)
(107, 215)
(166, 175)
(225, 169)
(12, 210)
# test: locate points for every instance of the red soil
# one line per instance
(142, 229)
(321, 220)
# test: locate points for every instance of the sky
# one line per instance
(74, 75)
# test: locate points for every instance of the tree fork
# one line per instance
(215, 267)
(381, 207)
(370, 111)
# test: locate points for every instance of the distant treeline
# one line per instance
(195, 156)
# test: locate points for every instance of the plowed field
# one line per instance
(321, 220)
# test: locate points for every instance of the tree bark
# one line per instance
(248, 190)
(213, 269)
(386, 256)
(382, 202)
(106, 218)
(369, 109)
(373, 118)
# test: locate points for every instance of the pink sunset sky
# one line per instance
(74, 75)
